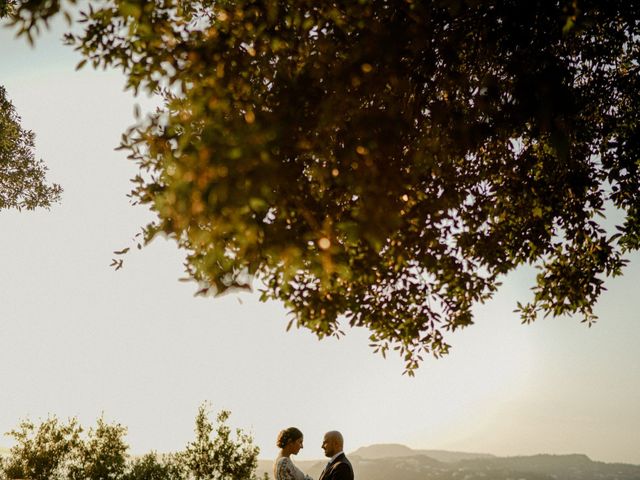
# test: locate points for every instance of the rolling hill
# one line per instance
(398, 462)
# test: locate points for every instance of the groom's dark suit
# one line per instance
(338, 469)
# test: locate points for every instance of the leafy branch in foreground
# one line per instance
(385, 162)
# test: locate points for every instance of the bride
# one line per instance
(290, 443)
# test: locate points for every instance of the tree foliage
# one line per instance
(5, 8)
(387, 162)
(54, 450)
(22, 176)
(151, 466)
(220, 456)
(44, 452)
(103, 455)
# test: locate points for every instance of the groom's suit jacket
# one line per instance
(338, 469)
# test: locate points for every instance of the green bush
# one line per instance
(54, 450)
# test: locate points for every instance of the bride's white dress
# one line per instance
(285, 469)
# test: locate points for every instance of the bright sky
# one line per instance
(79, 339)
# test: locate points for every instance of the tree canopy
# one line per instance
(385, 162)
(22, 177)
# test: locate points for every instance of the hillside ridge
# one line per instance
(399, 462)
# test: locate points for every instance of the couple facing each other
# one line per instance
(290, 443)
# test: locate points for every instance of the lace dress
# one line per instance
(284, 469)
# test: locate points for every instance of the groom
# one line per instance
(338, 468)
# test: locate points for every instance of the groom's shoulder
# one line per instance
(343, 468)
(342, 459)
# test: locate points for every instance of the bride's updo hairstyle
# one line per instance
(288, 435)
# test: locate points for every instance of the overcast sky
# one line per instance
(79, 339)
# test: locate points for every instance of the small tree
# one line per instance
(103, 456)
(44, 452)
(56, 451)
(220, 457)
(22, 176)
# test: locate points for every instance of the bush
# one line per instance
(54, 450)
(154, 467)
(220, 457)
(45, 452)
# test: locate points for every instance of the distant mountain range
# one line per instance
(390, 450)
(398, 462)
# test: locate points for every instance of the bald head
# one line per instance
(333, 443)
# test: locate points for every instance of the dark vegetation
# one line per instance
(383, 162)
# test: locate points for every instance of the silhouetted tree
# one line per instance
(22, 177)
(386, 161)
